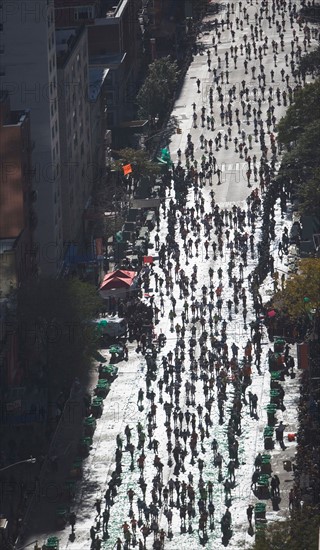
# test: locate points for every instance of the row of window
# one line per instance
(84, 12)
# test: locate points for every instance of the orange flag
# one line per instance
(127, 169)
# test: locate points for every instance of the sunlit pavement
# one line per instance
(121, 404)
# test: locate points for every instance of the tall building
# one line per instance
(17, 217)
(114, 43)
(77, 170)
(29, 74)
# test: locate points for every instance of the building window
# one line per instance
(84, 12)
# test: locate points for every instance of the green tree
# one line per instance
(299, 131)
(301, 295)
(299, 532)
(304, 110)
(140, 161)
(309, 195)
(310, 63)
(55, 317)
(158, 89)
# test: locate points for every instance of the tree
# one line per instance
(303, 111)
(301, 295)
(158, 89)
(299, 532)
(299, 131)
(310, 63)
(54, 316)
(309, 194)
(139, 159)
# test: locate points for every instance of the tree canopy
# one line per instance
(310, 63)
(299, 131)
(304, 110)
(301, 295)
(140, 161)
(299, 532)
(158, 89)
(55, 317)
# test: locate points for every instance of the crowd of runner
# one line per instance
(202, 379)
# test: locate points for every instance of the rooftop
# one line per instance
(97, 76)
(66, 40)
(108, 61)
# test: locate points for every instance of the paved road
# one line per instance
(121, 404)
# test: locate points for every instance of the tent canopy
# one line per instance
(118, 279)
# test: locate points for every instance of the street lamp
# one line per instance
(31, 460)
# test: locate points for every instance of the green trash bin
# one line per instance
(97, 407)
(260, 525)
(89, 426)
(276, 377)
(76, 469)
(70, 486)
(52, 543)
(275, 398)
(268, 438)
(266, 464)
(84, 446)
(263, 486)
(259, 510)
(102, 388)
(278, 345)
(271, 411)
(61, 517)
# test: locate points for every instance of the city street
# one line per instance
(232, 260)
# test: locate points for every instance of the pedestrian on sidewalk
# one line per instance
(249, 514)
(279, 435)
(198, 84)
(92, 535)
(72, 521)
(97, 506)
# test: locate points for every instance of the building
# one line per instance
(71, 13)
(77, 172)
(29, 74)
(17, 256)
(17, 217)
(114, 42)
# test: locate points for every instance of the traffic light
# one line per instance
(179, 131)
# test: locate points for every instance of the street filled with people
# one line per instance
(185, 467)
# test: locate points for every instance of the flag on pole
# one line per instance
(127, 169)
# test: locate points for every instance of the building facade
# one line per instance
(17, 216)
(77, 170)
(29, 74)
(114, 42)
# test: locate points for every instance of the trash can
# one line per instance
(276, 377)
(259, 511)
(279, 345)
(89, 426)
(263, 486)
(61, 517)
(260, 526)
(268, 438)
(287, 465)
(52, 543)
(70, 489)
(102, 388)
(84, 446)
(275, 398)
(76, 469)
(266, 464)
(271, 411)
(97, 407)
